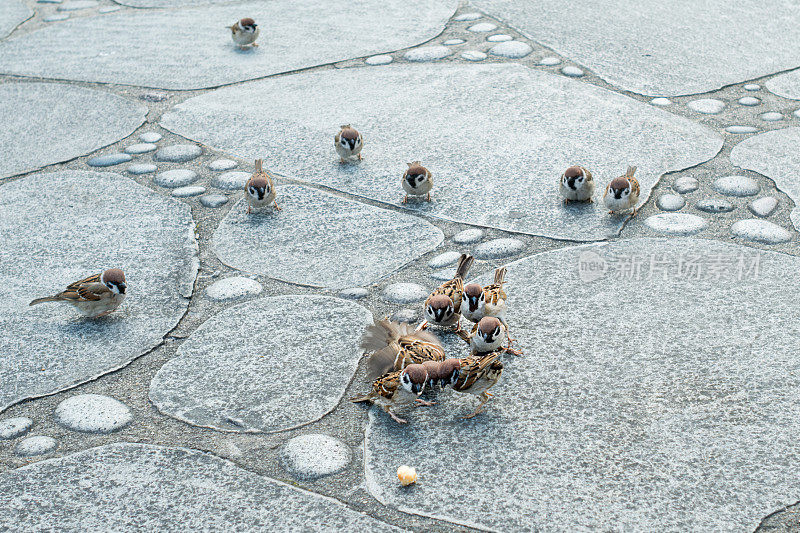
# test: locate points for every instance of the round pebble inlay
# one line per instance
(142, 168)
(188, 191)
(173, 179)
(354, 293)
(150, 137)
(499, 38)
(231, 181)
(752, 87)
(661, 101)
(109, 160)
(213, 200)
(404, 293)
(444, 259)
(93, 413)
(232, 288)
(11, 428)
(473, 55)
(178, 153)
(749, 101)
(670, 202)
(511, 49)
(764, 207)
(771, 116)
(498, 248)
(685, 184)
(220, 165)
(549, 61)
(736, 186)
(38, 445)
(427, 53)
(453, 42)
(467, 17)
(739, 129)
(482, 27)
(140, 148)
(760, 231)
(573, 72)
(708, 106)
(313, 456)
(676, 223)
(715, 205)
(382, 59)
(468, 236)
(408, 316)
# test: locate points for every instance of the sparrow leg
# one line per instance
(484, 398)
(424, 325)
(275, 205)
(428, 198)
(512, 351)
(394, 416)
(611, 212)
(566, 201)
(249, 209)
(633, 213)
(404, 200)
(255, 45)
(590, 200)
(420, 401)
(341, 160)
(360, 157)
(104, 313)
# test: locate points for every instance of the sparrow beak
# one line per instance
(122, 288)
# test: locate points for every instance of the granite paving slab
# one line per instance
(287, 361)
(104, 220)
(141, 487)
(786, 85)
(321, 240)
(12, 14)
(496, 138)
(617, 417)
(663, 48)
(115, 52)
(775, 155)
(45, 123)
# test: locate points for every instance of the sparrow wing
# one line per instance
(381, 361)
(92, 291)
(91, 279)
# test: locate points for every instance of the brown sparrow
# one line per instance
(245, 32)
(397, 388)
(488, 335)
(94, 296)
(443, 306)
(478, 302)
(417, 181)
(576, 184)
(395, 346)
(622, 193)
(260, 189)
(477, 375)
(348, 143)
(449, 370)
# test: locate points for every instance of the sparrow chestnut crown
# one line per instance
(416, 373)
(619, 183)
(349, 133)
(113, 275)
(488, 324)
(473, 290)
(440, 301)
(573, 172)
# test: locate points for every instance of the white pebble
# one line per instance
(482, 27)
(771, 116)
(468, 236)
(38, 445)
(11, 428)
(232, 288)
(752, 87)
(473, 55)
(220, 165)
(498, 248)
(453, 42)
(427, 53)
(741, 129)
(404, 293)
(383, 59)
(499, 38)
(573, 72)
(749, 101)
(467, 17)
(511, 49)
(150, 137)
(709, 106)
(764, 207)
(760, 231)
(549, 61)
(661, 101)
(444, 259)
(314, 456)
(676, 223)
(93, 413)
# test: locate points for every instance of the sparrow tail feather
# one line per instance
(43, 300)
(500, 275)
(464, 264)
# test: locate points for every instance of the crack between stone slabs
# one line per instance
(773, 513)
(14, 30)
(373, 489)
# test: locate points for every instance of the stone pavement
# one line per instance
(658, 390)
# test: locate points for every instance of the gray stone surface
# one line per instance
(647, 54)
(670, 202)
(178, 153)
(709, 106)
(775, 155)
(77, 5)
(258, 384)
(627, 419)
(93, 413)
(50, 347)
(468, 236)
(179, 177)
(115, 52)
(736, 186)
(32, 446)
(764, 207)
(108, 160)
(231, 181)
(56, 17)
(12, 14)
(760, 231)
(676, 223)
(786, 85)
(404, 293)
(314, 456)
(139, 487)
(461, 98)
(321, 240)
(45, 123)
(11, 428)
(406, 315)
(233, 288)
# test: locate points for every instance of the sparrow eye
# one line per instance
(496, 332)
(252, 191)
(482, 297)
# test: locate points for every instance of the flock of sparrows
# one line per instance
(622, 193)
(405, 360)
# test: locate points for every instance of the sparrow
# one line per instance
(576, 184)
(417, 181)
(478, 302)
(449, 370)
(94, 296)
(348, 143)
(488, 335)
(443, 306)
(622, 193)
(260, 189)
(245, 32)
(397, 388)
(394, 346)
(478, 373)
